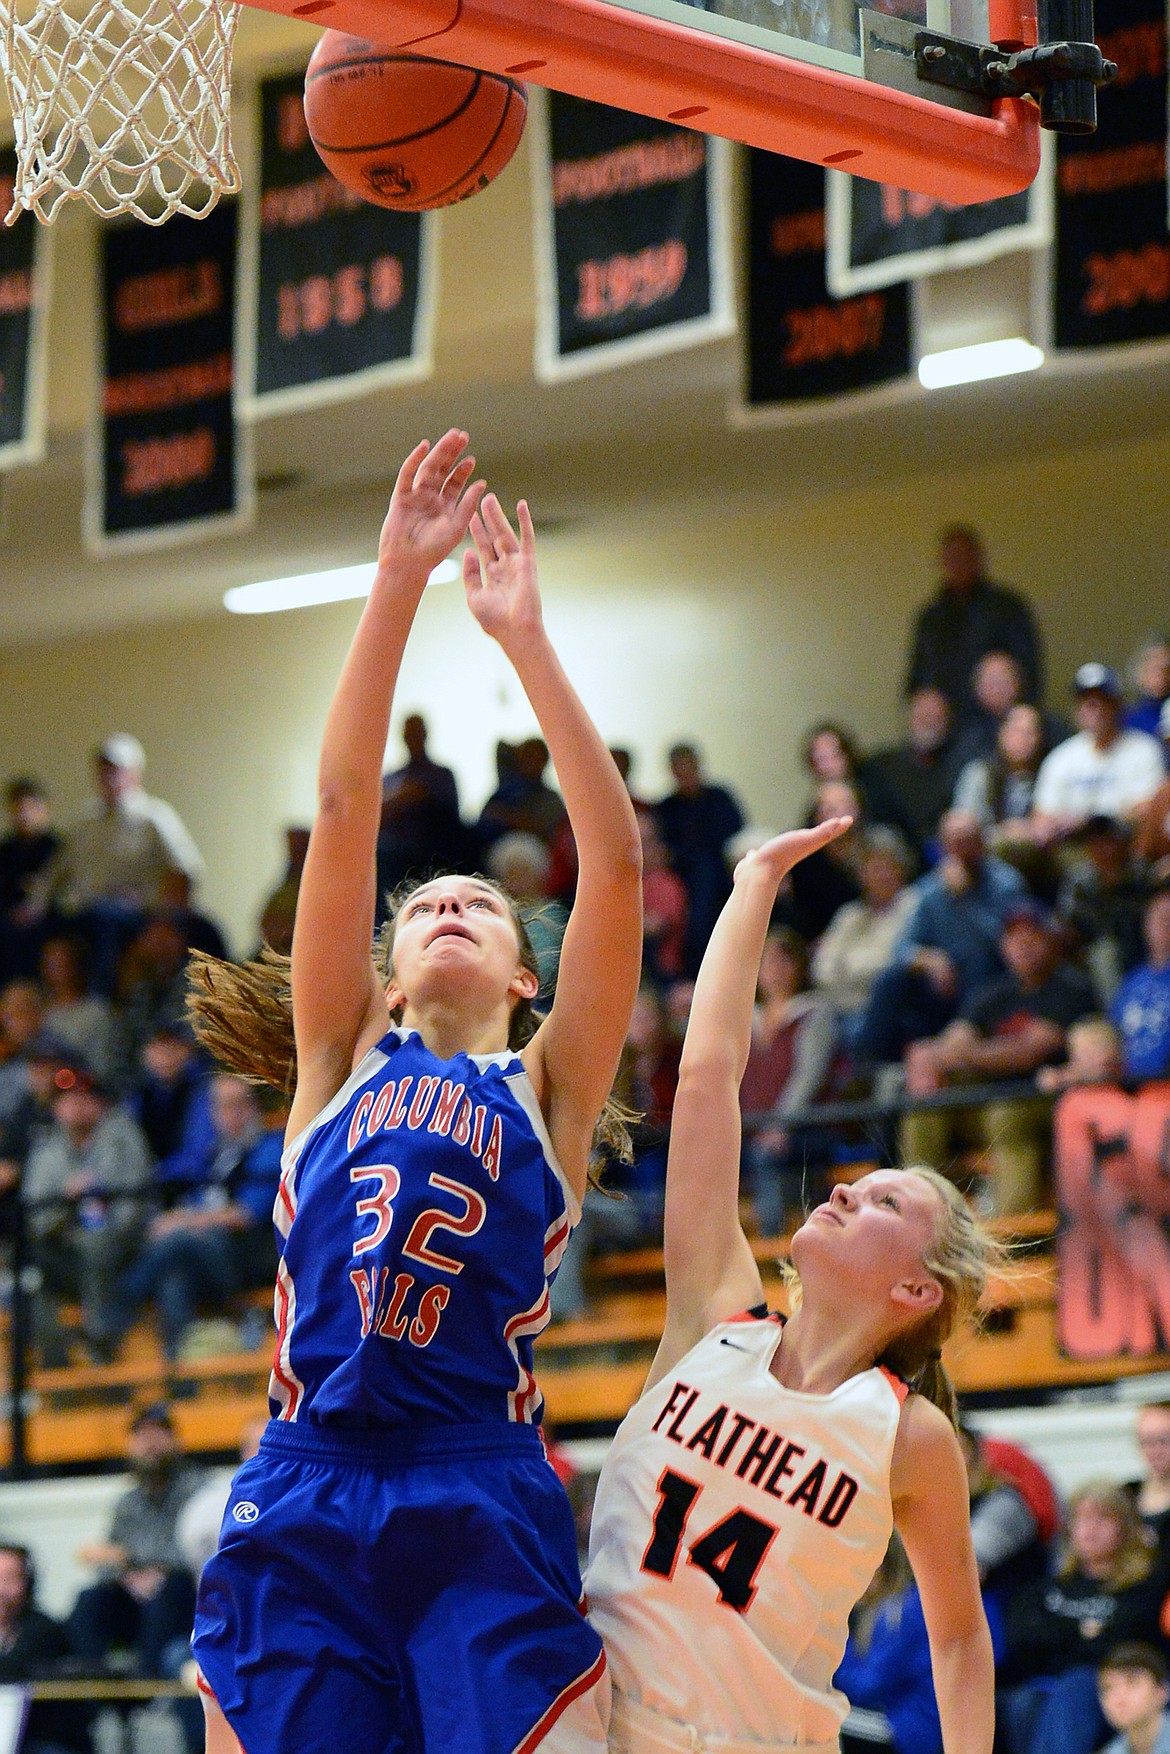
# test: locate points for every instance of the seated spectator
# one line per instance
(85, 1189)
(967, 618)
(1133, 1687)
(1152, 841)
(1103, 901)
(997, 788)
(32, 1648)
(171, 1102)
(997, 686)
(1007, 1532)
(1150, 672)
(216, 1241)
(950, 947)
(1141, 1009)
(1008, 1030)
(1106, 1592)
(152, 982)
(794, 1041)
(199, 930)
(646, 1082)
(817, 888)
(1094, 1057)
(522, 803)
(1104, 770)
(146, 1597)
(278, 915)
(912, 784)
(25, 850)
(23, 1126)
(696, 821)
(664, 908)
(862, 936)
(886, 1667)
(109, 872)
(831, 754)
(520, 865)
(1151, 1493)
(22, 1017)
(74, 1013)
(421, 827)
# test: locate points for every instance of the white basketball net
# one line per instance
(123, 105)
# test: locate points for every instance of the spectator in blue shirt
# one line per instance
(218, 1240)
(172, 1105)
(1150, 672)
(950, 947)
(1141, 1009)
(1133, 1685)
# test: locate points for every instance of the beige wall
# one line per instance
(736, 623)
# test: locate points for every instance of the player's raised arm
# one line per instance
(711, 1273)
(574, 1055)
(928, 1480)
(338, 1008)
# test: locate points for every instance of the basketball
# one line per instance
(406, 132)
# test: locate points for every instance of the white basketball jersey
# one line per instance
(737, 1523)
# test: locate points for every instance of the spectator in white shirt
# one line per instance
(1104, 770)
(861, 938)
(114, 864)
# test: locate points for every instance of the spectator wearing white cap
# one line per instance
(114, 864)
(1104, 769)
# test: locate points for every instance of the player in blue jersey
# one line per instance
(398, 1565)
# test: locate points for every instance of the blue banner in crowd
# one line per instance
(339, 295)
(169, 457)
(24, 272)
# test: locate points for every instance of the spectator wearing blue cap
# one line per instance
(1104, 769)
(1011, 1027)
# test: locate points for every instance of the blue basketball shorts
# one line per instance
(411, 1592)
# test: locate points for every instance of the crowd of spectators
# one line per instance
(998, 918)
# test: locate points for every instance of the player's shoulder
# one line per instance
(926, 1444)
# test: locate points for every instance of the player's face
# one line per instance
(877, 1230)
(455, 934)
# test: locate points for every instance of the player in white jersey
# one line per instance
(751, 1492)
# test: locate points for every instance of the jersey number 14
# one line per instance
(731, 1553)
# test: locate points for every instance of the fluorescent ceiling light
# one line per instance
(968, 365)
(305, 590)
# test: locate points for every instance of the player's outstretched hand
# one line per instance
(777, 856)
(432, 505)
(499, 572)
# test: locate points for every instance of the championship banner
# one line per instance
(633, 246)
(1112, 276)
(1114, 1249)
(169, 459)
(879, 234)
(802, 344)
(24, 297)
(338, 296)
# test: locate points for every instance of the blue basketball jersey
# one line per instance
(423, 1216)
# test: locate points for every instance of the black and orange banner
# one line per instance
(169, 457)
(24, 271)
(1112, 1154)
(632, 237)
(802, 344)
(338, 295)
(1112, 281)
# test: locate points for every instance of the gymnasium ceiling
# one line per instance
(574, 449)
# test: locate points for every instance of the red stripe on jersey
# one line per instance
(560, 1705)
(753, 1315)
(900, 1388)
(556, 1238)
(289, 1383)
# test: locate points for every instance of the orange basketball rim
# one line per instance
(717, 76)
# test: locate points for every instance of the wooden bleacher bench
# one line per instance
(591, 1368)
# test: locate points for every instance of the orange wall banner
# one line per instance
(1112, 1160)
